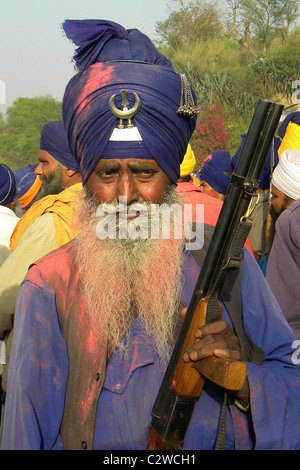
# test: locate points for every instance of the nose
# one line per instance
(38, 170)
(127, 188)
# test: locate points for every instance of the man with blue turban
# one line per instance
(215, 174)
(8, 218)
(96, 319)
(46, 224)
(28, 188)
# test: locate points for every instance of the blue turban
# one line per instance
(216, 171)
(101, 41)
(89, 122)
(115, 59)
(7, 185)
(54, 141)
(28, 185)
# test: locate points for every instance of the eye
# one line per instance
(144, 172)
(107, 173)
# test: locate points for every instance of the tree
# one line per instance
(263, 19)
(279, 70)
(2, 123)
(195, 20)
(20, 136)
(32, 113)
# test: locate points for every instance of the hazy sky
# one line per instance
(35, 56)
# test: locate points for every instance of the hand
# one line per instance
(217, 339)
(214, 339)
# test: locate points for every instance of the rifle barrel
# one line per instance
(171, 413)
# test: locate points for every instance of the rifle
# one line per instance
(183, 382)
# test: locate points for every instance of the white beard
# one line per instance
(129, 278)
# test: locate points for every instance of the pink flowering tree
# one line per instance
(210, 133)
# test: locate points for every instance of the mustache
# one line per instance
(139, 220)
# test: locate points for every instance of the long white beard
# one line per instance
(128, 278)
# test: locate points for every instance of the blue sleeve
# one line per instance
(275, 385)
(37, 371)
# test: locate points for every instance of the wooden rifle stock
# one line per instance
(183, 382)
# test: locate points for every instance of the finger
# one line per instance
(194, 356)
(214, 345)
(217, 327)
(201, 350)
(232, 354)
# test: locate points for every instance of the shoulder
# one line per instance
(288, 224)
(57, 259)
(43, 224)
(9, 218)
(54, 268)
(292, 211)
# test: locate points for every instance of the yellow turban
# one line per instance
(188, 163)
(291, 138)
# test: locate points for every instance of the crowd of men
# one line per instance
(89, 317)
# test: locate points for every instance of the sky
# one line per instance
(36, 57)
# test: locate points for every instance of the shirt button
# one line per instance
(83, 445)
(97, 377)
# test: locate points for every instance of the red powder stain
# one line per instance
(96, 77)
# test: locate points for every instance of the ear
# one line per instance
(70, 173)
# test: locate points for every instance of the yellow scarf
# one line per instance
(60, 205)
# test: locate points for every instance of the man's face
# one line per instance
(278, 202)
(50, 172)
(207, 189)
(137, 180)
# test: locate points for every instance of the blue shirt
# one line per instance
(35, 395)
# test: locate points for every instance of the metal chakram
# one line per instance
(125, 114)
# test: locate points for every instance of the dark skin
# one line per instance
(140, 180)
(217, 339)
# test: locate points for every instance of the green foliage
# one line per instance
(20, 131)
(194, 21)
(277, 72)
(254, 55)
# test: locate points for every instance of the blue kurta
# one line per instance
(39, 371)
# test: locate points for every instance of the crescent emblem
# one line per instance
(125, 113)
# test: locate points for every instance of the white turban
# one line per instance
(286, 176)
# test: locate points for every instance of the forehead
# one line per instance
(126, 162)
(46, 157)
(276, 192)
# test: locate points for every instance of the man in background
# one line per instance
(8, 218)
(283, 268)
(28, 189)
(46, 225)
